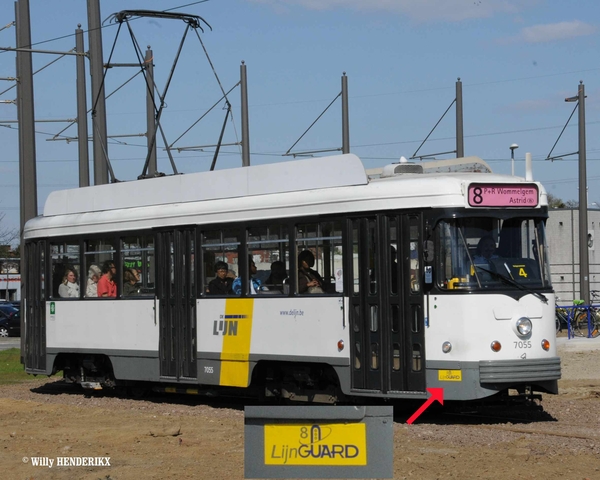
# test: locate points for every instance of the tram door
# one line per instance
(35, 306)
(386, 304)
(177, 304)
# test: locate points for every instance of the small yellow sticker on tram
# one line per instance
(450, 375)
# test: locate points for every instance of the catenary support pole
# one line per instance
(82, 125)
(150, 112)
(245, 122)
(460, 147)
(26, 116)
(345, 116)
(99, 135)
(584, 266)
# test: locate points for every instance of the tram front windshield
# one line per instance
(491, 253)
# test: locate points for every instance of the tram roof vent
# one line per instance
(399, 168)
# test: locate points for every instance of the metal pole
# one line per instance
(82, 126)
(245, 122)
(460, 146)
(150, 112)
(584, 266)
(345, 116)
(26, 115)
(99, 135)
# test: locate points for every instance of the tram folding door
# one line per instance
(34, 313)
(386, 304)
(175, 284)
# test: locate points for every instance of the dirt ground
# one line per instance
(188, 437)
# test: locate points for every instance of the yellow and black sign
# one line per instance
(450, 375)
(323, 444)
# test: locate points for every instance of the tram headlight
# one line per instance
(446, 347)
(496, 346)
(523, 326)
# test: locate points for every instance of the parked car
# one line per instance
(10, 323)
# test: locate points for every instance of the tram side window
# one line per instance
(319, 251)
(65, 269)
(268, 246)
(220, 248)
(98, 255)
(137, 254)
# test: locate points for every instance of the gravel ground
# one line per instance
(187, 437)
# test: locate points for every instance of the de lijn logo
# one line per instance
(322, 445)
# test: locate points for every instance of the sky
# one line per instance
(517, 59)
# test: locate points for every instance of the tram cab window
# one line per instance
(65, 258)
(488, 253)
(137, 255)
(324, 241)
(268, 246)
(219, 246)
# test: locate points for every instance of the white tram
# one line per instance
(408, 301)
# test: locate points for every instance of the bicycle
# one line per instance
(562, 318)
(586, 321)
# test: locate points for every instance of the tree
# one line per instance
(7, 238)
(555, 202)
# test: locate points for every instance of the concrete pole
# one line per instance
(245, 122)
(26, 117)
(460, 147)
(345, 116)
(100, 137)
(82, 125)
(150, 113)
(584, 265)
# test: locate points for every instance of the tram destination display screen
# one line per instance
(503, 195)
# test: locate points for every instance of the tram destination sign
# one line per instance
(503, 195)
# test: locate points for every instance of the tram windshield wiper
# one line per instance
(512, 282)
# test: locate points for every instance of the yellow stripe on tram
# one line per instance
(236, 342)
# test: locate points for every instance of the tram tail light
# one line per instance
(545, 344)
(496, 346)
(340, 345)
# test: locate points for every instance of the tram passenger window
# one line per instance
(268, 249)
(322, 243)
(137, 255)
(65, 269)
(95, 254)
(219, 246)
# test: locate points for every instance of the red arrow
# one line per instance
(436, 394)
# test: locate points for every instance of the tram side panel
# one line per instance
(125, 331)
(471, 369)
(235, 334)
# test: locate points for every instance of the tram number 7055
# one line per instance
(525, 344)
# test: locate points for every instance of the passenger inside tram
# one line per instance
(278, 275)
(221, 284)
(309, 280)
(130, 279)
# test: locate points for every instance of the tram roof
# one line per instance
(327, 185)
(308, 174)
